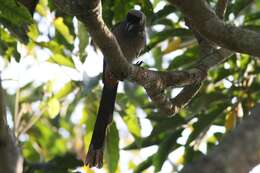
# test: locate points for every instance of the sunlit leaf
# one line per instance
(230, 120)
(33, 32)
(63, 29)
(131, 120)
(173, 44)
(65, 90)
(53, 107)
(41, 7)
(61, 60)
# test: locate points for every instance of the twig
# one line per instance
(221, 8)
(32, 121)
(16, 110)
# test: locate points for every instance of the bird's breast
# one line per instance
(131, 46)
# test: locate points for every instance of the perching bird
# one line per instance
(131, 37)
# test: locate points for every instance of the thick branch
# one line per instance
(3, 121)
(10, 160)
(155, 82)
(238, 153)
(204, 19)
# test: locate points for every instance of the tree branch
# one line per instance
(10, 160)
(206, 22)
(221, 8)
(155, 82)
(207, 48)
(229, 159)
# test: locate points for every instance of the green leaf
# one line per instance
(63, 29)
(29, 94)
(165, 148)
(112, 148)
(244, 61)
(169, 124)
(61, 60)
(219, 74)
(237, 7)
(252, 17)
(88, 118)
(147, 141)
(65, 90)
(191, 154)
(144, 165)
(41, 7)
(33, 32)
(53, 107)
(54, 46)
(164, 35)
(205, 121)
(131, 120)
(83, 41)
(8, 46)
(210, 99)
(15, 12)
(185, 60)
(167, 9)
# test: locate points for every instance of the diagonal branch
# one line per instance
(3, 121)
(225, 157)
(155, 82)
(207, 23)
(206, 49)
(10, 160)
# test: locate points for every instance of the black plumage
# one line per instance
(130, 35)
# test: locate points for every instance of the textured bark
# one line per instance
(10, 160)
(205, 20)
(239, 151)
(155, 82)
(221, 8)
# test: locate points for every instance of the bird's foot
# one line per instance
(94, 157)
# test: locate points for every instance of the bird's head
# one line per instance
(135, 21)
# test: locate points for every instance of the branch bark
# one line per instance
(206, 22)
(221, 8)
(155, 82)
(206, 48)
(10, 160)
(239, 151)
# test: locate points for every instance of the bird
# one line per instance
(131, 37)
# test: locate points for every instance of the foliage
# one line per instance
(43, 116)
